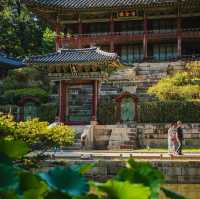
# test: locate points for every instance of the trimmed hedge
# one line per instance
(107, 111)
(169, 111)
(13, 96)
(47, 112)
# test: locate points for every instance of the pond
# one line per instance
(190, 191)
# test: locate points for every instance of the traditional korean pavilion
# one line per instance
(79, 73)
(136, 30)
(7, 63)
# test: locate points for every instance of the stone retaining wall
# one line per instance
(175, 171)
(140, 135)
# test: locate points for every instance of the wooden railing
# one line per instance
(125, 36)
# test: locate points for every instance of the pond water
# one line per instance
(190, 191)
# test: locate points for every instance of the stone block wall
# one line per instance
(141, 135)
(155, 135)
(176, 172)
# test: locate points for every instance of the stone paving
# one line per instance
(121, 154)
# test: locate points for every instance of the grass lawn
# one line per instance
(186, 150)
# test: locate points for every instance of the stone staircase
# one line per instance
(113, 137)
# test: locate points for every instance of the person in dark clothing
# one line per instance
(179, 138)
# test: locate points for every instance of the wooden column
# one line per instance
(179, 37)
(95, 100)
(112, 29)
(58, 36)
(80, 31)
(145, 40)
(62, 101)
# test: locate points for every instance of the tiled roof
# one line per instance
(9, 61)
(84, 4)
(73, 56)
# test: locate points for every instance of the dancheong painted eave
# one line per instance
(90, 4)
(10, 62)
(74, 56)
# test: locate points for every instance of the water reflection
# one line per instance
(190, 191)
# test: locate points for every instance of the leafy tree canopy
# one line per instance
(183, 85)
(21, 32)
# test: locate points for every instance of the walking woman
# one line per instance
(172, 131)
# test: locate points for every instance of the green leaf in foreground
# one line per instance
(82, 168)
(56, 195)
(8, 195)
(66, 180)
(142, 173)
(32, 186)
(171, 194)
(13, 148)
(9, 179)
(124, 190)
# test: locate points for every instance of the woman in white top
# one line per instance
(172, 131)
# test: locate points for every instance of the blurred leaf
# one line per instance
(172, 194)
(83, 168)
(32, 186)
(66, 180)
(5, 159)
(8, 195)
(32, 194)
(9, 178)
(124, 190)
(57, 195)
(13, 149)
(89, 196)
(142, 173)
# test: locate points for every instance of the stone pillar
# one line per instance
(145, 48)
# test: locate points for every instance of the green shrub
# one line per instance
(169, 111)
(13, 96)
(35, 132)
(47, 112)
(107, 111)
(7, 125)
(180, 86)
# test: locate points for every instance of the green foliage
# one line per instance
(23, 33)
(169, 111)
(9, 178)
(66, 180)
(25, 78)
(47, 112)
(143, 173)
(7, 125)
(180, 86)
(172, 194)
(107, 113)
(124, 190)
(13, 96)
(137, 181)
(34, 132)
(13, 148)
